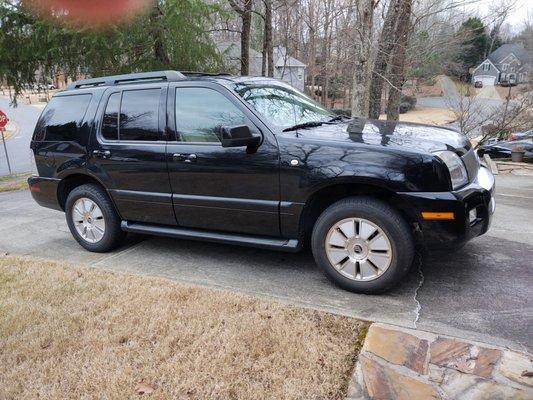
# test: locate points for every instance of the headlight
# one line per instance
(455, 166)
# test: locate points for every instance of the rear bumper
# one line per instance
(44, 191)
(478, 196)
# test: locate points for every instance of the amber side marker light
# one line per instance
(437, 215)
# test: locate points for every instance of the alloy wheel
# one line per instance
(358, 249)
(88, 220)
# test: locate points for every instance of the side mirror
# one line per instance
(239, 136)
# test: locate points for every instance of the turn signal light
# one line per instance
(437, 215)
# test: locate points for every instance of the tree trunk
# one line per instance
(398, 59)
(160, 53)
(268, 38)
(245, 37)
(385, 48)
(245, 13)
(311, 61)
(361, 74)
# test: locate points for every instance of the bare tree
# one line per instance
(385, 47)
(362, 57)
(245, 12)
(396, 70)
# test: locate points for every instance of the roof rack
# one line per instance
(198, 73)
(140, 77)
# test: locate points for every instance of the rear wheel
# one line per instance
(92, 219)
(363, 245)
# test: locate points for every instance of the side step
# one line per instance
(263, 242)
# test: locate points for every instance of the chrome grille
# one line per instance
(471, 163)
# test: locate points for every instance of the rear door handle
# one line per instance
(102, 153)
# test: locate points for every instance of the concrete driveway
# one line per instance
(482, 292)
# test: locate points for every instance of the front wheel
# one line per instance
(363, 245)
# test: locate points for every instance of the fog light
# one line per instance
(472, 215)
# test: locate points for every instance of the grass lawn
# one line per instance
(427, 115)
(13, 182)
(69, 332)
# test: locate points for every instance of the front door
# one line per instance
(217, 188)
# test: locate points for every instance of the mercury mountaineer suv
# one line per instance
(252, 161)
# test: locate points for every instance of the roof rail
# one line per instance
(198, 73)
(139, 77)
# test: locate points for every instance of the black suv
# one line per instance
(251, 161)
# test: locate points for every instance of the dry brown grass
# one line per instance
(77, 333)
(13, 182)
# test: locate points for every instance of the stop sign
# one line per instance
(3, 120)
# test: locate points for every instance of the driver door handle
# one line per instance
(184, 157)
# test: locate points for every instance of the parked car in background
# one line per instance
(503, 148)
(478, 84)
(521, 135)
(254, 162)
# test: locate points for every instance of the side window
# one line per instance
(139, 115)
(110, 120)
(62, 117)
(200, 111)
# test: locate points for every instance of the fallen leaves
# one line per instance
(143, 388)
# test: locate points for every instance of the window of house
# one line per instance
(300, 74)
(200, 112)
(486, 67)
(504, 67)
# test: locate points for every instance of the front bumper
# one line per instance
(44, 191)
(478, 196)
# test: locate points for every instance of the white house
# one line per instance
(286, 68)
(508, 62)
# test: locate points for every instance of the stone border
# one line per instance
(408, 364)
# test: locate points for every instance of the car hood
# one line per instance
(409, 136)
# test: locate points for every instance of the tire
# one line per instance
(388, 252)
(97, 239)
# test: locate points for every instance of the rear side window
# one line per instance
(138, 118)
(61, 119)
(110, 121)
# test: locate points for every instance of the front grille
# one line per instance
(471, 163)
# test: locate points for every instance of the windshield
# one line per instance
(281, 104)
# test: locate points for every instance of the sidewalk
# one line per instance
(399, 363)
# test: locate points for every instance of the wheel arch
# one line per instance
(72, 181)
(326, 196)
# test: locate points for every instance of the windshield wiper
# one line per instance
(337, 118)
(310, 124)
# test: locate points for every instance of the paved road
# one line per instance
(482, 291)
(23, 118)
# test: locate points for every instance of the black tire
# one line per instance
(388, 220)
(113, 234)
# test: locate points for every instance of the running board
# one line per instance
(290, 245)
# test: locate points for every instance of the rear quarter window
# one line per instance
(61, 119)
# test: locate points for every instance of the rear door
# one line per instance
(217, 188)
(128, 152)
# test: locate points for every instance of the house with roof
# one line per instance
(509, 62)
(286, 68)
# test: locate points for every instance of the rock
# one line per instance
(464, 357)
(383, 383)
(515, 367)
(398, 347)
(463, 386)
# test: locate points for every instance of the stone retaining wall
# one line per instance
(405, 364)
